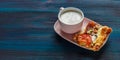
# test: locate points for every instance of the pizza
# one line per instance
(93, 36)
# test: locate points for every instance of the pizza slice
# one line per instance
(93, 37)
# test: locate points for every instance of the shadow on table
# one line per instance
(71, 49)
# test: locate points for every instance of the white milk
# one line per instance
(71, 17)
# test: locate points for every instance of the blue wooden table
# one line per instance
(26, 30)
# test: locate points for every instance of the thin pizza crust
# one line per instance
(102, 33)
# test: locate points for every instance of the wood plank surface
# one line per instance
(26, 30)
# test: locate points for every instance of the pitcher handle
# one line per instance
(61, 8)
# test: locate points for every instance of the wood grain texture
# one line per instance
(26, 30)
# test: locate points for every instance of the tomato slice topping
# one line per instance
(84, 40)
